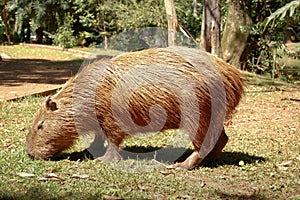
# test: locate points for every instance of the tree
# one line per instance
(141, 13)
(47, 15)
(277, 19)
(172, 22)
(244, 42)
(216, 28)
(99, 18)
(235, 38)
(195, 10)
(6, 18)
(210, 27)
(189, 16)
(20, 14)
(41, 16)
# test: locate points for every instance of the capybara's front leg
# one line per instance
(112, 153)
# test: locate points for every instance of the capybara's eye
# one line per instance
(40, 125)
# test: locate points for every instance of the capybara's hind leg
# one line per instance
(191, 162)
(194, 159)
(222, 141)
(112, 153)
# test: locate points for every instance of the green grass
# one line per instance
(100, 51)
(23, 52)
(258, 178)
(263, 134)
(266, 81)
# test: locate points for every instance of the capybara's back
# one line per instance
(140, 92)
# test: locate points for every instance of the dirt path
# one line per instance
(23, 77)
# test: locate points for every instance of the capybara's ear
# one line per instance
(50, 105)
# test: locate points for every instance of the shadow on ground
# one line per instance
(15, 72)
(252, 196)
(167, 155)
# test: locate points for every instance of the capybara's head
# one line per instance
(52, 130)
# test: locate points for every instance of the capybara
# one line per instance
(139, 92)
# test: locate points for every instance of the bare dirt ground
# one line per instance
(23, 77)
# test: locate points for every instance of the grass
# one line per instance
(290, 67)
(25, 52)
(261, 160)
(99, 51)
(258, 177)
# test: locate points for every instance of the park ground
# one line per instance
(260, 161)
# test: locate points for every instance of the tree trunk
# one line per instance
(39, 35)
(105, 42)
(195, 12)
(5, 17)
(234, 38)
(205, 40)
(215, 29)
(210, 39)
(172, 22)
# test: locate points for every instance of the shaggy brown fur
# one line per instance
(195, 91)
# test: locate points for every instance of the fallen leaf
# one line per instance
(170, 167)
(52, 175)
(165, 172)
(15, 181)
(10, 146)
(49, 179)
(106, 197)
(184, 197)
(83, 176)
(285, 164)
(173, 167)
(26, 175)
(7, 140)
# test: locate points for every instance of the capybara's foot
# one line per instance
(191, 162)
(222, 141)
(111, 154)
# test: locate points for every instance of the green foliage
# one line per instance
(261, 53)
(2, 33)
(93, 20)
(64, 36)
(106, 18)
(281, 13)
(143, 13)
(43, 15)
(98, 18)
(71, 22)
(185, 15)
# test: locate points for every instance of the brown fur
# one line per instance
(58, 129)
